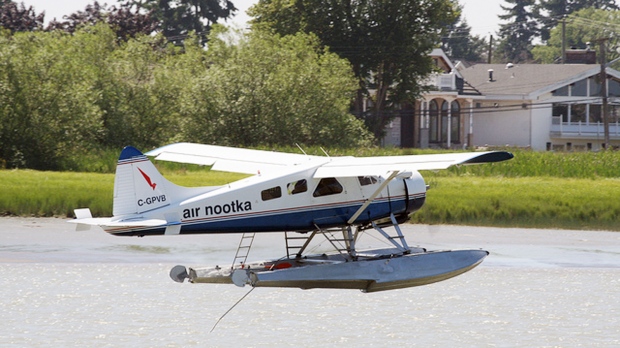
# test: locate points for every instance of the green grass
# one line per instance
(542, 202)
(535, 189)
(35, 193)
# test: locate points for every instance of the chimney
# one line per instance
(490, 75)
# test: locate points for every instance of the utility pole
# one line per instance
(563, 41)
(490, 49)
(603, 78)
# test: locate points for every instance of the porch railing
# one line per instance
(583, 129)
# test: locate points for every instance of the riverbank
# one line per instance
(531, 202)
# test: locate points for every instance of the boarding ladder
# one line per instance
(243, 250)
(296, 243)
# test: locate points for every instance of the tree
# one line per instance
(583, 26)
(19, 18)
(549, 12)
(178, 17)
(127, 24)
(458, 43)
(517, 35)
(387, 42)
(267, 90)
(48, 111)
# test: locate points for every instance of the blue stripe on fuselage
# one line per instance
(291, 219)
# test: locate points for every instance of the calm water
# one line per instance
(536, 289)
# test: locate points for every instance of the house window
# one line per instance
(444, 121)
(561, 110)
(271, 193)
(595, 86)
(579, 88)
(455, 124)
(578, 113)
(561, 92)
(614, 88)
(613, 113)
(595, 113)
(327, 187)
(433, 112)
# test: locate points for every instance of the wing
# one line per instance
(231, 159)
(362, 166)
(251, 161)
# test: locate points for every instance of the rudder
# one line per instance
(138, 185)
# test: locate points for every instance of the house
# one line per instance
(448, 105)
(541, 106)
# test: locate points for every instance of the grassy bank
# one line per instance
(546, 202)
(35, 193)
(535, 189)
(542, 202)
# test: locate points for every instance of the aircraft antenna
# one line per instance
(325, 152)
(300, 149)
(231, 308)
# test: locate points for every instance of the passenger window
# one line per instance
(296, 187)
(327, 186)
(271, 193)
(367, 180)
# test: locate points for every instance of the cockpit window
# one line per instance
(328, 186)
(367, 180)
(296, 187)
(271, 193)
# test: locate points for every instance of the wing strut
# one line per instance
(373, 196)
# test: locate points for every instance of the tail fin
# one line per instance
(138, 185)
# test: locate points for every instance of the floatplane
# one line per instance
(303, 197)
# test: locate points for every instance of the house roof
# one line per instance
(528, 80)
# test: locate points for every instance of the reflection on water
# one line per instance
(536, 289)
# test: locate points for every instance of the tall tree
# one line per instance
(458, 42)
(386, 42)
(551, 11)
(16, 17)
(516, 36)
(178, 17)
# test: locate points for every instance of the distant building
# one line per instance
(542, 106)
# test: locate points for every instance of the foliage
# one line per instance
(177, 18)
(458, 42)
(583, 26)
(19, 18)
(47, 105)
(387, 42)
(267, 90)
(550, 12)
(517, 35)
(64, 97)
(126, 24)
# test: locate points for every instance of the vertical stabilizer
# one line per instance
(138, 185)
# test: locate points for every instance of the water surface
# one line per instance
(538, 288)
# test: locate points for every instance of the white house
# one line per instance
(542, 106)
